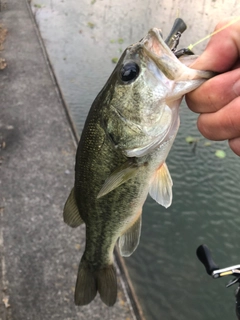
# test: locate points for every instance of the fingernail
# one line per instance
(236, 88)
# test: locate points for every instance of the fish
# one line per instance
(121, 158)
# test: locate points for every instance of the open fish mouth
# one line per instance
(157, 50)
(154, 42)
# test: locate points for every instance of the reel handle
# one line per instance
(204, 255)
(178, 26)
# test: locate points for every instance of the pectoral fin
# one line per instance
(121, 175)
(161, 186)
(129, 241)
(71, 215)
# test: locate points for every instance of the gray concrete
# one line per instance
(39, 254)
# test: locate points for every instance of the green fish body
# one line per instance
(121, 157)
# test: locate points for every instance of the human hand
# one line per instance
(218, 99)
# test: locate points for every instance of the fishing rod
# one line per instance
(204, 255)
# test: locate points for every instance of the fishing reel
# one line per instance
(204, 255)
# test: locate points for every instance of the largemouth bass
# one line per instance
(121, 157)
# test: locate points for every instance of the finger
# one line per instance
(223, 49)
(223, 124)
(235, 145)
(215, 93)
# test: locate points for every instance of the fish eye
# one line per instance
(129, 72)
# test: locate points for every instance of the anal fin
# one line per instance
(161, 186)
(71, 215)
(129, 241)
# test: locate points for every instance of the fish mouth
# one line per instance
(158, 51)
(154, 42)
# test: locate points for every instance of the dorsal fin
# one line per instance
(71, 215)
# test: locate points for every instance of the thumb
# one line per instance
(223, 49)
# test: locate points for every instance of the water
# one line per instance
(81, 39)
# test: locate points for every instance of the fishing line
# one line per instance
(213, 33)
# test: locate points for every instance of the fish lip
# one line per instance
(151, 46)
(154, 44)
(158, 51)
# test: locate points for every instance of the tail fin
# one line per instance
(88, 283)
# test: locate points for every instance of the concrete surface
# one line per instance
(39, 253)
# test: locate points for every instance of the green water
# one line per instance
(169, 280)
